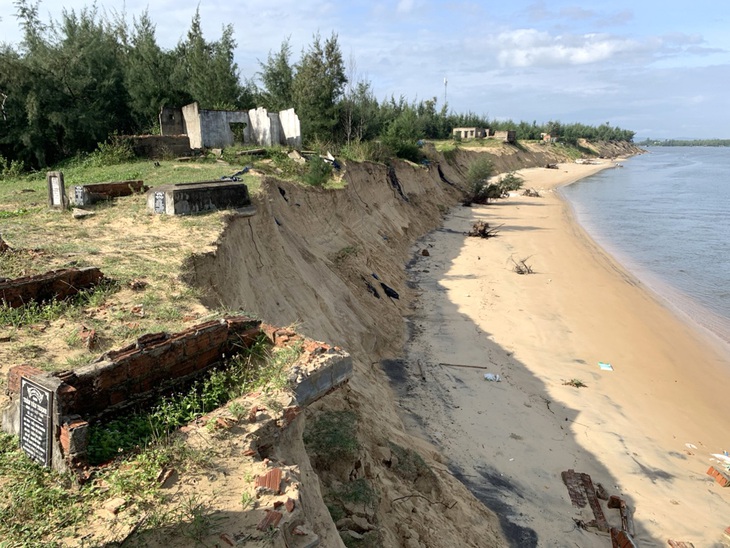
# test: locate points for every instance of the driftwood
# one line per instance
(482, 229)
(531, 193)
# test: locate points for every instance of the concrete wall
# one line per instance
(260, 126)
(215, 127)
(212, 128)
(290, 128)
(172, 121)
(192, 125)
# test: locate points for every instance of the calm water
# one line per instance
(666, 217)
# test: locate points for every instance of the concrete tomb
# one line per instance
(97, 192)
(202, 197)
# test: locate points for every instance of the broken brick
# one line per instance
(289, 505)
(271, 519)
(271, 481)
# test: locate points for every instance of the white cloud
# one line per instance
(530, 47)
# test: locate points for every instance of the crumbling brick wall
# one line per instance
(57, 284)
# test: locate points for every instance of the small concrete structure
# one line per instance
(190, 198)
(470, 132)
(509, 136)
(56, 190)
(222, 128)
(97, 192)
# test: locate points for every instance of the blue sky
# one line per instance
(660, 68)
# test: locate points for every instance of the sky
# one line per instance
(658, 67)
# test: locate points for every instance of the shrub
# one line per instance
(10, 169)
(511, 181)
(319, 172)
(116, 151)
(478, 189)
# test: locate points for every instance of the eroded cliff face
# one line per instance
(332, 262)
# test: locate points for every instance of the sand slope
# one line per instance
(509, 441)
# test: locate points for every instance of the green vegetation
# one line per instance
(332, 437)
(255, 367)
(116, 78)
(319, 171)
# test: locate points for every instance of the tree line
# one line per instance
(686, 142)
(72, 83)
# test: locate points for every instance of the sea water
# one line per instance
(665, 216)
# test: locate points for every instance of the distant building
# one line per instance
(469, 133)
(222, 128)
(548, 138)
(508, 136)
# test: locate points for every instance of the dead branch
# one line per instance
(521, 266)
(482, 229)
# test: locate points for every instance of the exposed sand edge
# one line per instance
(628, 428)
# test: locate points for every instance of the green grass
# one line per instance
(331, 437)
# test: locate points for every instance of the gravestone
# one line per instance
(56, 190)
(159, 203)
(36, 421)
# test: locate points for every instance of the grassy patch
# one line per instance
(410, 464)
(331, 437)
(39, 506)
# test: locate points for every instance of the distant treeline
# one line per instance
(686, 142)
(71, 84)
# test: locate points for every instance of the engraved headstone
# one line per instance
(79, 195)
(56, 190)
(159, 202)
(36, 420)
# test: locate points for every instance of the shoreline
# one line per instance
(628, 428)
(688, 310)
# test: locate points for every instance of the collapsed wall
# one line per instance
(333, 262)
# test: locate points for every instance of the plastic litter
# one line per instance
(494, 377)
(605, 366)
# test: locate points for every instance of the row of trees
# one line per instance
(72, 83)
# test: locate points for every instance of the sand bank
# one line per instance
(645, 430)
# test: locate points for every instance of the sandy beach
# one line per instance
(645, 430)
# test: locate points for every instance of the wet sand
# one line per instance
(644, 430)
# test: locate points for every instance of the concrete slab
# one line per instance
(200, 197)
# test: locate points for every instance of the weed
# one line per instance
(196, 517)
(116, 151)
(331, 437)
(247, 500)
(237, 410)
(575, 383)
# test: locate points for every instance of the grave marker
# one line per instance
(56, 190)
(36, 421)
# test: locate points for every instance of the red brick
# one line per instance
(289, 504)
(721, 477)
(270, 481)
(271, 519)
(15, 374)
